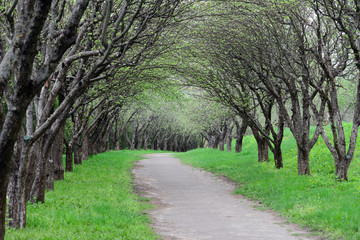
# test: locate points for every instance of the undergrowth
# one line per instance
(317, 202)
(95, 201)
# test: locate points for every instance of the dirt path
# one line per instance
(192, 204)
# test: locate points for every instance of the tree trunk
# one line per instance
(214, 141)
(146, 142)
(3, 184)
(240, 132)
(164, 140)
(77, 153)
(263, 150)
(140, 141)
(222, 136)
(228, 143)
(303, 161)
(38, 189)
(20, 184)
(8, 137)
(107, 144)
(99, 146)
(50, 173)
(238, 144)
(176, 145)
(186, 143)
(3, 193)
(153, 144)
(133, 140)
(165, 145)
(13, 188)
(159, 142)
(85, 148)
(91, 147)
(171, 145)
(202, 142)
(45, 165)
(278, 156)
(342, 167)
(56, 155)
(221, 144)
(262, 144)
(183, 144)
(69, 159)
(116, 145)
(33, 156)
(21, 194)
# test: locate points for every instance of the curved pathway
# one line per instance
(193, 204)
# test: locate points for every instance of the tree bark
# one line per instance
(146, 144)
(116, 137)
(44, 167)
(222, 136)
(57, 152)
(77, 152)
(85, 148)
(33, 156)
(140, 141)
(69, 158)
(159, 141)
(341, 168)
(238, 144)
(221, 144)
(176, 145)
(13, 188)
(263, 149)
(50, 173)
(38, 189)
(240, 132)
(303, 161)
(229, 138)
(278, 155)
(171, 144)
(214, 141)
(19, 184)
(153, 144)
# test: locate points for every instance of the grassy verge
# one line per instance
(96, 201)
(317, 201)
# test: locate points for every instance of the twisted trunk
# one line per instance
(263, 149)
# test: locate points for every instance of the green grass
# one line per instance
(96, 201)
(318, 201)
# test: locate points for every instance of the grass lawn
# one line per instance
(317, 201)
(96, 201)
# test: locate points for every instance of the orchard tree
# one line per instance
(336, 24)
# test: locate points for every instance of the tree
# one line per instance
(336, 24)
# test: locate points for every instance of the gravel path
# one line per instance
(193, 204)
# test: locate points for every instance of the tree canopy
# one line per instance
(81, 77)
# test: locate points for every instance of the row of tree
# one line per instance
(67, 69)
(280, 64)
(157, 123)
(87, 75)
